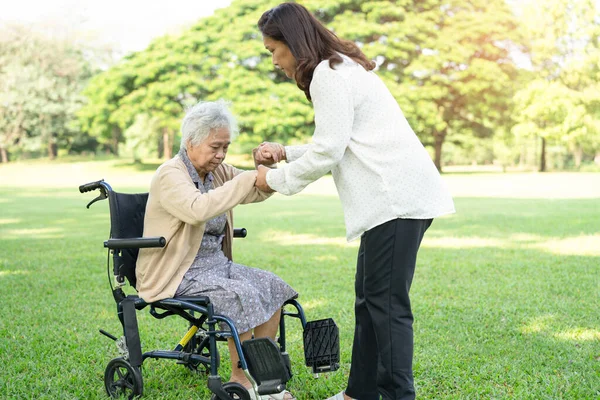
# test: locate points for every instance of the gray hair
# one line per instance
(202, 118)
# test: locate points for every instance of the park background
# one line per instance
(504, 95)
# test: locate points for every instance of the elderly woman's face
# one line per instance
(282, 56)
(211, 152)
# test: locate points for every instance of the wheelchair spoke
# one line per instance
(128, 385)
(120, 374)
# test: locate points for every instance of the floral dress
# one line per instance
(248, 296)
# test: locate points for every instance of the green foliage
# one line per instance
(469, 75)
(222, 56)
(40, 84)
(562, 102)
(142, 138)
(447, 69)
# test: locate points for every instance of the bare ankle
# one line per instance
(241, 379)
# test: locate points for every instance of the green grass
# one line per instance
(506, 295)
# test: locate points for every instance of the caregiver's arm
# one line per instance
(334, 116)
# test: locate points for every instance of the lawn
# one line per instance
(506, 293)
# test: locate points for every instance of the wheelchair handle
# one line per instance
(88, 187)
(103, 186)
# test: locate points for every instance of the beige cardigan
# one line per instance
(178, 211)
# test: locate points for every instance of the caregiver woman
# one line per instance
(389, 188)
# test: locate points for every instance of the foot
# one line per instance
(285, 395)
(242, 380)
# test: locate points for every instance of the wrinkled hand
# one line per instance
(268, 153)
(261, 179)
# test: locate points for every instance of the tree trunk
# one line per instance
(4, 155)
(597, 158)
(523, 156)
(543, 156)
(438, 138)
(115, 141)
(52, 149)
(160, 148)
(167, 144)
(578, 156)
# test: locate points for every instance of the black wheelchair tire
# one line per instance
(235, 391)
(129, 382)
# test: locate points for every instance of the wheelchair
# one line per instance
(265, 362)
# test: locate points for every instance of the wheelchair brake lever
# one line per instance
(101, 196)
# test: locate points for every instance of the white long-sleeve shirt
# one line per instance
(379, 166)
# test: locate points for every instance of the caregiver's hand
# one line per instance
(268, 153)
(261, 179)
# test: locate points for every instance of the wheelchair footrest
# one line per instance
(322, 345)
(266, 365)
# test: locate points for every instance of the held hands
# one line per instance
(261, 179)
(268, 153)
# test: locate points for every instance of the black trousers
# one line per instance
(382, 352)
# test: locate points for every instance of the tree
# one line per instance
(143, 137)
(562, 103)
(40, 83)
(448, 64)
(221, 56)
(449, 70)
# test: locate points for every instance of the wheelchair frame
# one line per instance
(199, 345)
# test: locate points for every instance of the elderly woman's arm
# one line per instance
(255, 195)
(180, 198)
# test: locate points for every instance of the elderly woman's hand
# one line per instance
(261, 179)
(268, 153)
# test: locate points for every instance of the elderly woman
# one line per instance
(190, 204)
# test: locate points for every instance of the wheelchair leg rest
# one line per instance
(322, 345)
(266, 365)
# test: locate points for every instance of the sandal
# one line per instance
(252, 395)
(284, 395)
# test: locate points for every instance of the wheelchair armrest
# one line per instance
(239, 232)
(135, 243)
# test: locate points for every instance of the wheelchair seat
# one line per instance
(265, 362)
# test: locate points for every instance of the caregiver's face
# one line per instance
(282, 56)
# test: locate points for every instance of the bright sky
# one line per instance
(128, 25)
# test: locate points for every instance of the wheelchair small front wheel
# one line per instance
(235, 391)
(121, 378)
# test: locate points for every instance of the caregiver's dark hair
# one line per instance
(309, 41)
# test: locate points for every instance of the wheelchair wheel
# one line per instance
(120, 378)
(202, 348)
(235, 391)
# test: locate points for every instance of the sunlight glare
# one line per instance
(581, 334)
(15, 272)
(8, 221)
(39, 233)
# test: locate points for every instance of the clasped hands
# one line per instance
(267, 153)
